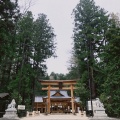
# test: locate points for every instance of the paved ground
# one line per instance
(56, 117)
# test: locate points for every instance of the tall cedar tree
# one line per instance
(9, 14)
(90, 25)
(35, 43)
(43, 47)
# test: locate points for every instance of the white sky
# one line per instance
(59, 14)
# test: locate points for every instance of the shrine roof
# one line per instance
(39, 98)
(2, 95)
(62, 92)
(54, 95)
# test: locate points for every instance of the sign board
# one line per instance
(21, 107)
(89, 105)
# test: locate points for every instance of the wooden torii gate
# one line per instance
(58, 85)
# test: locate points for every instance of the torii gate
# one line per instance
(59, 85)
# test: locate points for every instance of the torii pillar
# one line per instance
(72, 100)
(48, 102)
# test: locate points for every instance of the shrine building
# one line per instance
(57, 99)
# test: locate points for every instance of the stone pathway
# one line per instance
(56, 117)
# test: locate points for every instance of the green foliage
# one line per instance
(96, 46)
(25, 45)
(82, 92)
(90, 25)
(9, 14)
(58, 76)
(34, 44)
(111, 91)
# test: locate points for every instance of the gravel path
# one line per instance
(56, 117)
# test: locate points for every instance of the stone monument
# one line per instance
(98, 109)
(11, 112)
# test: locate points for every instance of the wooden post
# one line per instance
(41, 110)
(48, 107)
(72, 99)
(51, 107)
(37, 107)
(75, 107)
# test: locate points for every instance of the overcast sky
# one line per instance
(59, 14)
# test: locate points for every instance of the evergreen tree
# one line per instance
(58, 76)
(73, 68)
(43, 42)
(111, 86)
(43, 47)
(34, 44)
(22, 75)
(90, 23)
(9, 14)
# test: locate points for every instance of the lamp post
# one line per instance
(90, 63)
